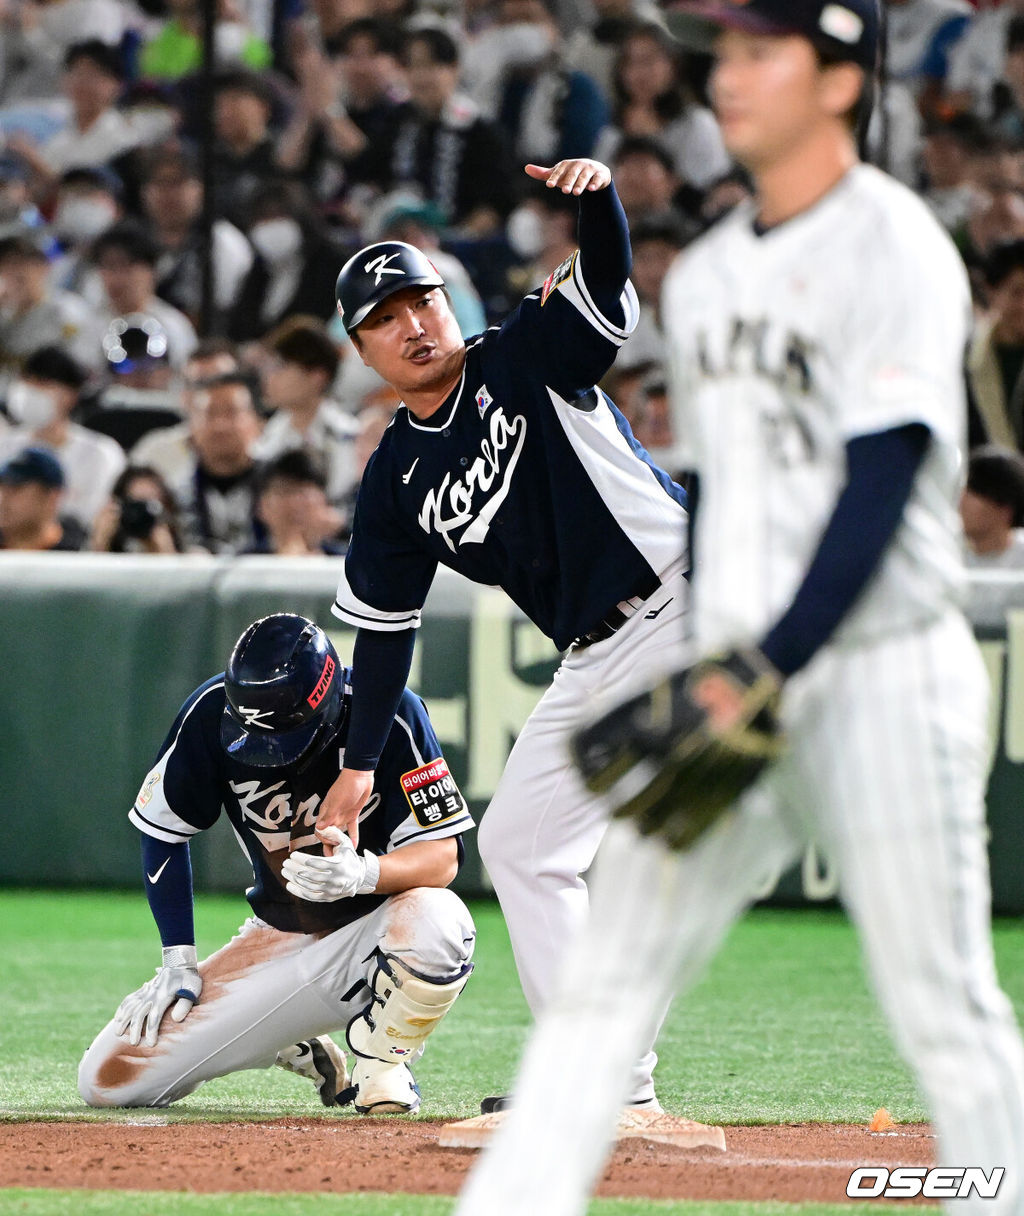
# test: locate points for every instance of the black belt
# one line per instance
(613, 621)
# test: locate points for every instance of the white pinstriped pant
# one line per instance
(886, 770)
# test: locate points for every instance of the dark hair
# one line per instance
(675, 100)
(210, 348)
(305, 341)
(440, 44)
(282, 194)
(133, 472)
(643, 145)
(966, 128)
(1002, 261)
(385, 35)
(96, 177)
(296, 466)
(1015, 35)
(23, 247)
(669, 228)
(245, 378)
(997, 473)
(54, 363)
(131, 239)
(106, 58)
(174, 154)
(242, 80)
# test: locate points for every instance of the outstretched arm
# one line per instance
(380, 669)
(602, 233)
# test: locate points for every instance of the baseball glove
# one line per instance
(676, 756)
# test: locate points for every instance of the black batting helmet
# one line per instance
(378, 271)
(284, 690)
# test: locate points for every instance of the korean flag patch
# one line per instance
(483, 399)
(432, 793)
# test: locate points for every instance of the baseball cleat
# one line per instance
(381, 1088)
(319, 1060)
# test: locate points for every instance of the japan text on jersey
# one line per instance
(786, 346)
(527, 478)
(274, 810)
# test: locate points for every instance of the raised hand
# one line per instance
(573, 176)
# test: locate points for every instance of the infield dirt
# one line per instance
(794, 1163)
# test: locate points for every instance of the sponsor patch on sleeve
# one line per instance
(148, 786)
(557, 277)
(432, 793)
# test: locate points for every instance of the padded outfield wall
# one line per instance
(98, 651)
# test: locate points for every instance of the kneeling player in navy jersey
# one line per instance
(371, 944)
(506, 463)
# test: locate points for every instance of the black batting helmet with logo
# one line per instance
(284, 690)
(375, 273)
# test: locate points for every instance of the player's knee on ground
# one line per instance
(430, 930)
(113, 1073)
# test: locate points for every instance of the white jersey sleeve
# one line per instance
(904, 333)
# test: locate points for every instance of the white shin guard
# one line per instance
(389, 1033)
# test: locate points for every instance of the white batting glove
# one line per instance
(326, 879)
(178, 980)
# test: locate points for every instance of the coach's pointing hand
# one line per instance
(345, 799)
(573, 176)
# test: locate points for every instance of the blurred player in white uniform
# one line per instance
(817, 336)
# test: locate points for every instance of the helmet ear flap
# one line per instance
(284, 692)
(333, 715)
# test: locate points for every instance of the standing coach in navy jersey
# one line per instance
(506, 463)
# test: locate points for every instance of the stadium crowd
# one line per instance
(144, 413)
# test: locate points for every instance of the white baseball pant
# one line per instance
(542, 828)
(886, 769)
(266, 990)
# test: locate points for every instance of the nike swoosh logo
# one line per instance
(407, 476)
(656, 612)
(155, 877)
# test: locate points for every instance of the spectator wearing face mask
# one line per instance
(40, 402)
(295, 267)
(88, 202)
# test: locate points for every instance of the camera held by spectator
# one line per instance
(141, 516)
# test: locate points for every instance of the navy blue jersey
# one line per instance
(275, 809)
(527, 478)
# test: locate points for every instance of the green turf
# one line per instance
(781, 1030)
(171, 1203)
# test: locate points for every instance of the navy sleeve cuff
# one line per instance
(603, 236)
(380, 670)
(881, 469)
